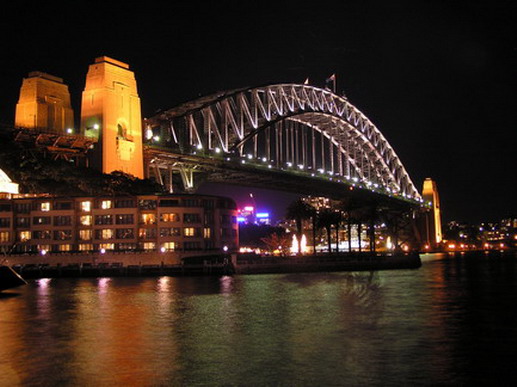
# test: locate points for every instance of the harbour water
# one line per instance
(453, 321)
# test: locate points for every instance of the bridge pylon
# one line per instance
(111, 115)
(432, 218)
(44, 104)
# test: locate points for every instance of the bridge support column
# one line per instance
(187, 178)
(110, 114)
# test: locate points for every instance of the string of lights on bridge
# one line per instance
(353, 182)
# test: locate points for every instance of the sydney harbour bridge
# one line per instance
(290, 137)
(284, 137)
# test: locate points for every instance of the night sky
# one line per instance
(436, 77)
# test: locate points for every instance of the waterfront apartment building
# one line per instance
(164, 223)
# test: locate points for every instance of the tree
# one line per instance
(300, 211)
(373, 214)
(338, 218)
(278, 241)
(252, 235)
(326, 219)
(350, 207)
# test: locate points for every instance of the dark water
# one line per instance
(451, 322)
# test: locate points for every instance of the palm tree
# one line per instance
(300, 211)
(360, 216)
(314, 221)
(338, 218)
(373, 215)
(326, 219)
(349, 206)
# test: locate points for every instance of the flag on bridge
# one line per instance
(306, 81)
(332, 79)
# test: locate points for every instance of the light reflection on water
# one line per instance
(453, 321)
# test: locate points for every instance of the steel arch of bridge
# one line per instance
(287, 126)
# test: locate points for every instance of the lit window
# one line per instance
(43, 247)
(169, 246)
(107, 246)
(106, 233)
(64, 247)
(148, 219)
(85, 247)
(86, 206)
(189, 231)
(85, 235)
(85, 220)
(169, 217)
(147, 233)
(4, 236)
(45, 206)
(25, 236)
(207, 232)
(149, 245)
(106, 204)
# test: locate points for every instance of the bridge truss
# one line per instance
(300, 130)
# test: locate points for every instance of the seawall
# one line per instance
(331, 262)
(220, 264)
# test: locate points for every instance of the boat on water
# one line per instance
(9, 278)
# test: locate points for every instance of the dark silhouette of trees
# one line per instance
(300, 211)
(350, 208)
(38, 174)
(326, 219)
(278, 241)
(252, 235)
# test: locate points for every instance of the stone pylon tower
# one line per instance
(44, 104)
(434, 221)
(110, 113)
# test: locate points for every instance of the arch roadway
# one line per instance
(298, 129)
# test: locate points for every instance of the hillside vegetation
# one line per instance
(38, 174)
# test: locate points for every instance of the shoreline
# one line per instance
(233, 264)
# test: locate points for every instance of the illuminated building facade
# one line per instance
(433, 227)
(166, 223)
(110, 114)
(44, 104)
(249, 215)
(7, 187)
